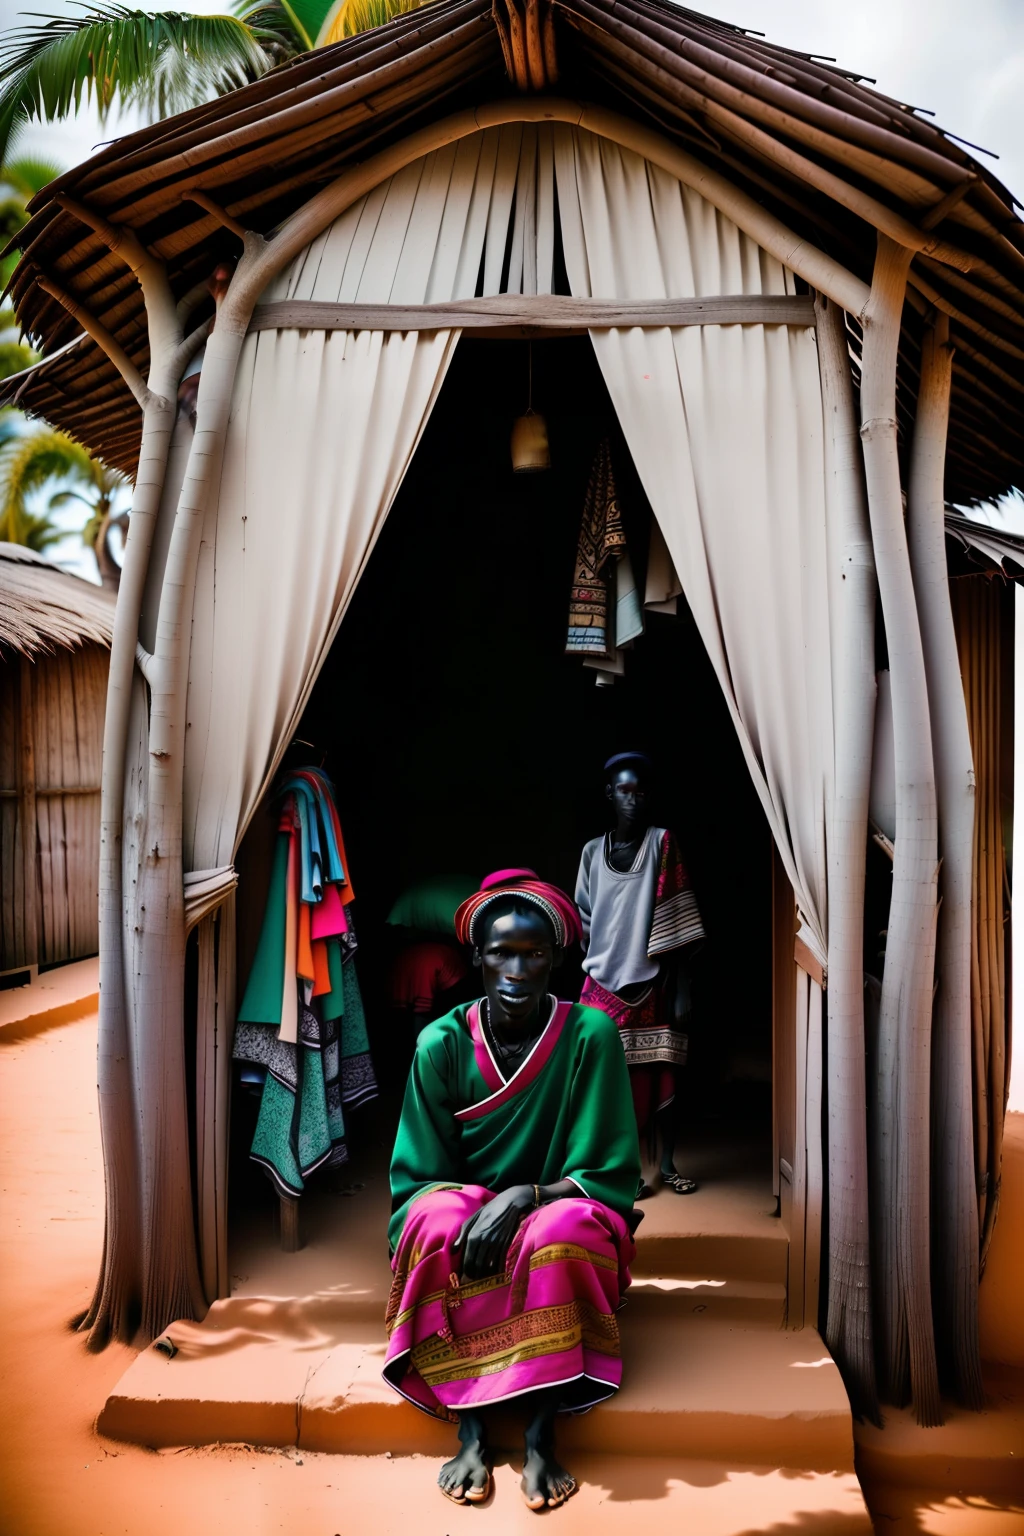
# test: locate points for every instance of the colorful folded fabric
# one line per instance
(301, 1017)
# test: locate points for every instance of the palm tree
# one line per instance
(162, 62)
(27, 462)
(20, 180)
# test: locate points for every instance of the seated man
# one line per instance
(512, 1183)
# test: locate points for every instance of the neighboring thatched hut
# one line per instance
(55, 633)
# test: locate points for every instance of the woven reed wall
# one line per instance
(981, 614)
(51, 739)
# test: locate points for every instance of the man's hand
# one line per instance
(485, 1238)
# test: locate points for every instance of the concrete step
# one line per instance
(752, 1394)
(713, 1256)
(298, 1492)
(974, 1454)
(719, 1233)
(736, 1301)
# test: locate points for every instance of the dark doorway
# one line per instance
(461, 737)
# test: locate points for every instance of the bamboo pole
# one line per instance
(901, 1154)
(954, 1203)
(848, 1329)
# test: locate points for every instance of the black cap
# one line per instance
(622, 758)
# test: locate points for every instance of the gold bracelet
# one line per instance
(536, 1197)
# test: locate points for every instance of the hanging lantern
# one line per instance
(530, 448)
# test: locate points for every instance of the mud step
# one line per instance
(753, 1394)
(744, 1302)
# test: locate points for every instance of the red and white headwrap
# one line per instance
(555, 904)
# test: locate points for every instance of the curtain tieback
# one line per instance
(206, 890)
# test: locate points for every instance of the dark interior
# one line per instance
(461, 737)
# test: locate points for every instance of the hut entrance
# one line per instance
(462, 738)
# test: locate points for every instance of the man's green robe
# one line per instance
(571, 1119)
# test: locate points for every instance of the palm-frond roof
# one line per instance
(43, 609)
(767, 117)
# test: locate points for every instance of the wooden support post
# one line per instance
(852, 595)
(290, 1240)
(27, 807)
(954, 1195)
(900, 1193)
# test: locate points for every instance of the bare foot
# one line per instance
(546, 1483)
(466, 1478)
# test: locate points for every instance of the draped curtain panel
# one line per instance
(724, 423)
(323, 426)
(977, 612)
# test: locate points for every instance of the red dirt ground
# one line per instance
(59, 1478)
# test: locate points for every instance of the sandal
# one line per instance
(680, 1185)
(643, 1191)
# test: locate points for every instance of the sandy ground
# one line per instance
(59, 1478)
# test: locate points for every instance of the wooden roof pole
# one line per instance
(102, 337)
(954, 1204)
(853, 590)
(902, 1087)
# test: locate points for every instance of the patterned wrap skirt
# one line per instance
(547, 1321)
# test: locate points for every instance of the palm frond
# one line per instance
(28, 175)
(282, 26)
(27, 461)
(15, 357)
(161, 63)
(347, 18)
(34, 532)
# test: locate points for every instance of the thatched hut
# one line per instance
(55, 633)
(800, 305)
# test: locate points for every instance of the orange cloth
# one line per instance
(321, 969)
(304, 959)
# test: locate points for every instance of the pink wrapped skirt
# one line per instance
(547, 1321)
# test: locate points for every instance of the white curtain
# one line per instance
(724, 424)
(323, 426)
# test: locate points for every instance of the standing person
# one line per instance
(639, 912)
(512, 1182)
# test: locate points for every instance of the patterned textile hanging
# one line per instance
(605, 615)
(602, 541)
(301, 1025)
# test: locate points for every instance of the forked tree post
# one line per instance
(852, 591)
(954, 1197)
(901, 1141)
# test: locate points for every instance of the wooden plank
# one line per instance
(815, 1165)
(807, 962)
(10, 955)
(538, 312)
(27, 766)
(227, 971)
(94, 666)
(783, 1016)
(797, 1235)
(206, 1024)
(69, 892)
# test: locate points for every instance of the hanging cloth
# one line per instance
(663, 588)
(301, 1026)
(602, 540)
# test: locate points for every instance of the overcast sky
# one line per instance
(961, 59)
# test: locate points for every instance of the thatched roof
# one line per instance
(975, 548)
(814, 143)
(43, 608)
